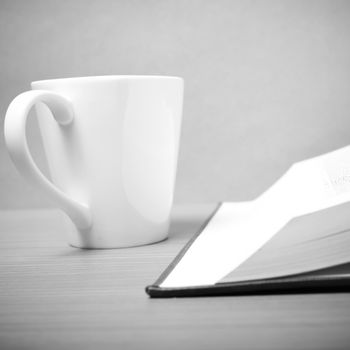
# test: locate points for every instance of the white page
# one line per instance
(307, 243)
(238, 230)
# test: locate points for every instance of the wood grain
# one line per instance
(53, 296)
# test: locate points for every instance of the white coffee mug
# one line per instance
(111, 144)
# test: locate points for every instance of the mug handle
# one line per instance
(16, 142)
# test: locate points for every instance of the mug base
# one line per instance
(117, 246)
(112, 238)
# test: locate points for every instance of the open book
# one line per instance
(294, 237)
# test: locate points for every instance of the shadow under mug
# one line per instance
(111, 144)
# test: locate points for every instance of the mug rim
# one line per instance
(106, 78)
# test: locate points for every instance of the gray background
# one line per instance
(267, 82)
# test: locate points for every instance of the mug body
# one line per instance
(119, 156)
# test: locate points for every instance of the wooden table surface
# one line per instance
(53, 296)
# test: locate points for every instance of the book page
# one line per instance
(239, 230)
(306, 243)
